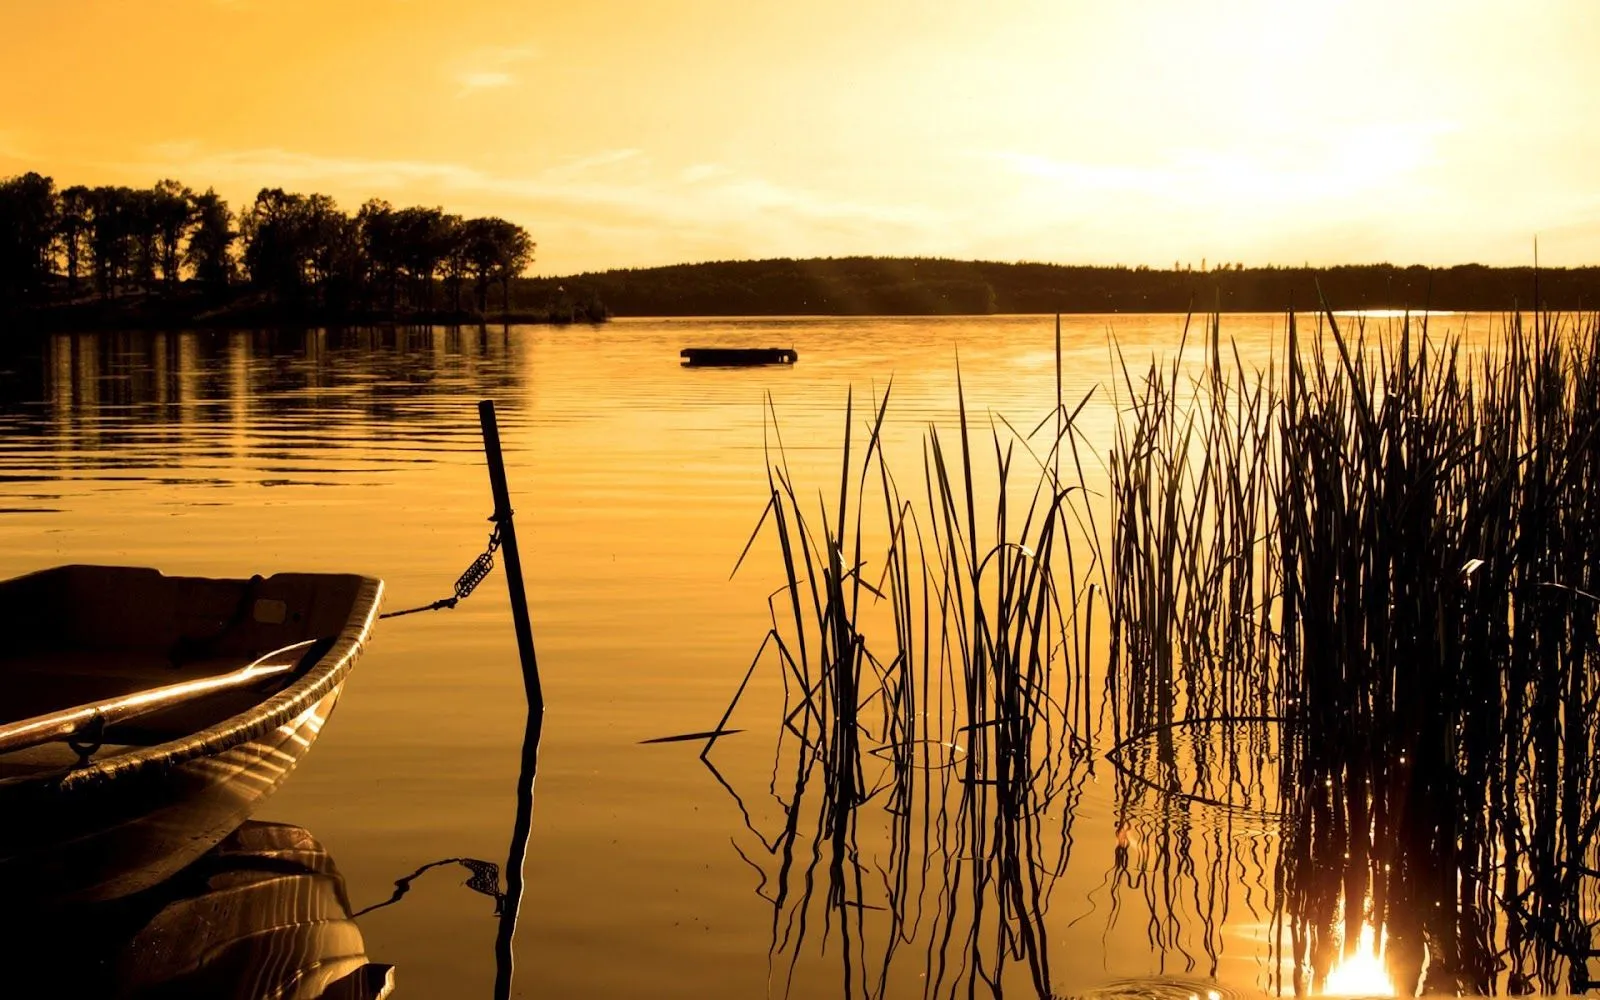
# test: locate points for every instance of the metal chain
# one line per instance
(466, 583)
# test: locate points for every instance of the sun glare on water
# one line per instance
(1361, 973)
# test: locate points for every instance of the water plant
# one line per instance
(1350, 592)
(961, 665)
(1385, 552)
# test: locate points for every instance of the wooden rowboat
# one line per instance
(144, 717)
(738, 356)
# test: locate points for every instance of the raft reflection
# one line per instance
(262, 915)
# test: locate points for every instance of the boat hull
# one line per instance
(167, 788)
(84, 845)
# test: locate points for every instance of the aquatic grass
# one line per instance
(1351, 592)
(962, 664)
(1193, 594)
(1387, 549)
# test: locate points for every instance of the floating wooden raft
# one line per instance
(735, 356)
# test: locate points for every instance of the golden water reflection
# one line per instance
(1361, 972)
(637, 484)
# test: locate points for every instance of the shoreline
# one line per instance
(146, 314)
(30, 326)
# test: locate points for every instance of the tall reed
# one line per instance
(1352, 591)
(963, 665)
(1388, 552)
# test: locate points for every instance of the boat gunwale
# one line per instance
(323, 677)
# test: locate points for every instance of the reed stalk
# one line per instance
(963, 664)
(1388, 551)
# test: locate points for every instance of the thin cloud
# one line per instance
(1091, 176)
(490, 68)
(595, 162)
(484, 80)
(1328, 165)
(703, 172)
(12, 146)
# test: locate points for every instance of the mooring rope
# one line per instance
(467, 582)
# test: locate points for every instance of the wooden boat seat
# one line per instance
(53, 757)
(79, 634)
(40, 682)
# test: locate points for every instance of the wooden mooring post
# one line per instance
(513, 560)
(511, 901)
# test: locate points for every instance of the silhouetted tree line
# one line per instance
(917, 286)
(300, 253)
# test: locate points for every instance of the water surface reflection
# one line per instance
(285, 407)
(264, 914)
(637, 485)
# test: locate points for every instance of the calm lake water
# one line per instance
(636, 484)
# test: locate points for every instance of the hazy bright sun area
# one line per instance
(638, 133)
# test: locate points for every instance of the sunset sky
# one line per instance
(637, 133)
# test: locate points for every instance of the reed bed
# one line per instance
(1349, 600)
(1386, 550)
(941, 639)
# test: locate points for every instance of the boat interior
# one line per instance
(78, 635)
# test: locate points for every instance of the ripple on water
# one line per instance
(1161, 988)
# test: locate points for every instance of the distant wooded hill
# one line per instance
(923, 287)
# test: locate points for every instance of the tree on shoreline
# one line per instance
(109, 227)
(72, 224)
(208, 251)
(300, 250)
(171, 213)
(28, 211)
(496, 250)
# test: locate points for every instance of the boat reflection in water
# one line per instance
(264, 914)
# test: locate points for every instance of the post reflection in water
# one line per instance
(484, 876)
(264, 914)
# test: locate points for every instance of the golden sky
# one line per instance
(639, 132)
